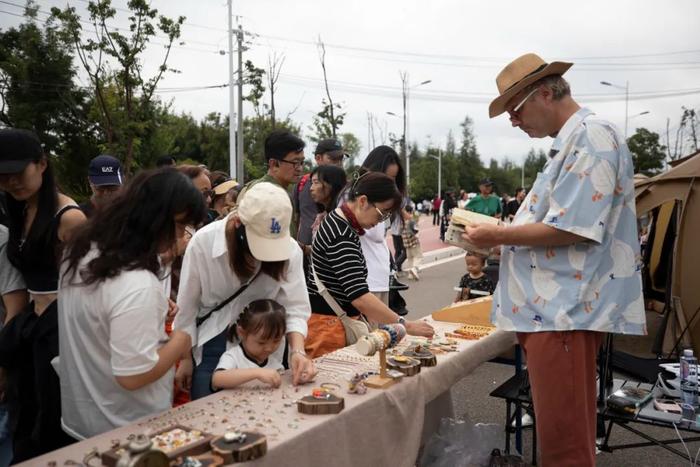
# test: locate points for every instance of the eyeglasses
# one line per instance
(208, 193)
(296, 164)
(383, 216)
(517, 108)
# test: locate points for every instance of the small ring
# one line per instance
(331, 386)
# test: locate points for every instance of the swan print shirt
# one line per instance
(585, 188)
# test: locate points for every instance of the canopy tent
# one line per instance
(671, 201)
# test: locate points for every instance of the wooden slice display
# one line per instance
(237, 448)
(406, 365)
(425, 357)
(321, 406)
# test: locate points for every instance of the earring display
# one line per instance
(421, 353)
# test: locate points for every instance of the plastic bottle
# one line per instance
(689, 378)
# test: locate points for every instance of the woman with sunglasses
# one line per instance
(339, 263)
(247, 256)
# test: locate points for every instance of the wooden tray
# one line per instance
(254, 447)
(111, 457)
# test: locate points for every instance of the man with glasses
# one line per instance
(284, 156)
(569, 267)
(105, 178)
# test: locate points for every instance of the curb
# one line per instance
(442, 253)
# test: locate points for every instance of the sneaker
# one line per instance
(394, 284)
(414, 273)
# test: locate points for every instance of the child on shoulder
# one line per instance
(257, 353)
(475, 283)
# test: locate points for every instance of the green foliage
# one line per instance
(323, 125)
(38, 93)
(113, 61)
(352, 147)
(647, 154)
(470, 168)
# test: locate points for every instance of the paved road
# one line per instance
(471, 395)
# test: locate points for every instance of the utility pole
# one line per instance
(239, 150)
(231, 98)
(404, 149)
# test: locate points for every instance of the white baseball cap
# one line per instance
(266, 212)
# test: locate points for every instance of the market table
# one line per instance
(382, 427)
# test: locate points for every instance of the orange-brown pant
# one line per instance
(562, 370)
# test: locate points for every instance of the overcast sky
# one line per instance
(459, 45)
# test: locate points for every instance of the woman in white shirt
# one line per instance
(116, 361)
(250, 246)
(385, 160)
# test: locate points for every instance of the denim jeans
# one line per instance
(211, 353)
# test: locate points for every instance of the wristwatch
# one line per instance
(401, 320)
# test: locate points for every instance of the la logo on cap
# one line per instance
(275, 227)
(107, 169)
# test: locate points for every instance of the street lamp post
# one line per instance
(439, 159)
(404, 141)
(626, 87)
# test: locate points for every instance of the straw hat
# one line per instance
(519, 74)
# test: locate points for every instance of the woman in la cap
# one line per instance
(249, 255)
(338, 261)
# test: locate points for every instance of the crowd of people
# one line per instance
(181, 281)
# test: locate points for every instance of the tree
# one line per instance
(254, 77)
(113, 62)
(470, 168)
(38, 93)
(274, 69)
(330, 116)
(352, 147)
(647, 154)
(534, 162)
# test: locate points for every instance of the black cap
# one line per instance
(486, 181)
(105, 170)
(17, 149)
(332, 147)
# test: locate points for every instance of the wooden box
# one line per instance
(200, 446)
(476, 311)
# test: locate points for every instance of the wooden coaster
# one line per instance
(406, 365)
(312, 406)
(425, 357)
(252, 447)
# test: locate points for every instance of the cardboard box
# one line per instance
(476, 311)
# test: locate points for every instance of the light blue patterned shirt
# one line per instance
(586, 188)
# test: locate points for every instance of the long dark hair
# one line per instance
(377, 187)
(240, 258)
(335, 178)
(379, 159)
(131, 229)
(47, 207)
(263, 315)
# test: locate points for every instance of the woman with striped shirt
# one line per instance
(340, 265)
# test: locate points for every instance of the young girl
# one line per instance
(475, 283)
(409, 235)
(257, 354)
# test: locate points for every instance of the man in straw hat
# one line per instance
(569, 265)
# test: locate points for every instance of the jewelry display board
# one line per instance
(312, 440)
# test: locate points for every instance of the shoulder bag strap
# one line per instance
(218, 307)
(323, 292)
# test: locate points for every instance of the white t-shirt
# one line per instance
(376, 253)
(235, 357)
(112, 328)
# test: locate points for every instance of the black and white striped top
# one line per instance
(340, 265)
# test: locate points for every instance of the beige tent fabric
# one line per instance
(680, 184)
